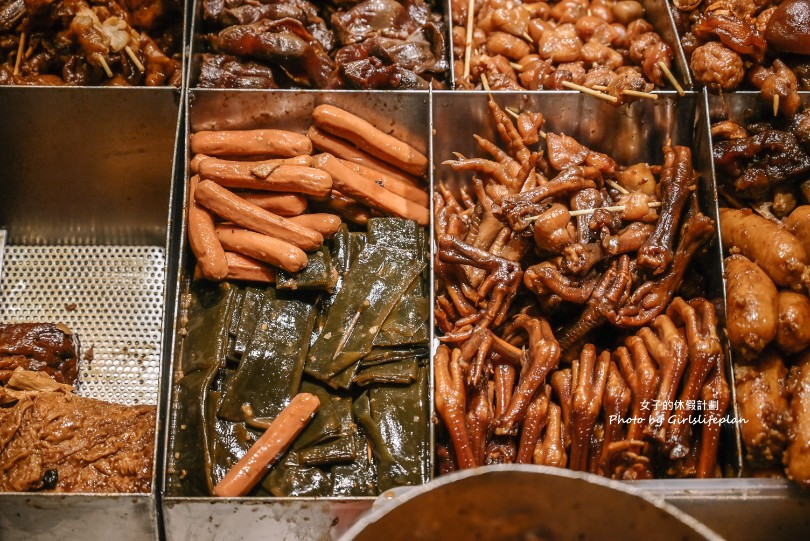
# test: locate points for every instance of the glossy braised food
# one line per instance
(53, 440)
(342, 330)
(379, 44)
(74, 42)
(763, 168)
(762, 45)
(523, 45)
(358, 345)
(51, 348)
(565, 340)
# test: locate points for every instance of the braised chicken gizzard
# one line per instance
(761, 45)
(570, 336)
(518, 45)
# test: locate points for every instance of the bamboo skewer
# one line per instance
(616, 208)
(671, 78)
(637, 94)
(629, 92)
(135, 60)
(485, 82)
(592, 92)
(20, 49)
(776, 105)
(516, 66)
(104, 65)
(527, 37)
(618, 187)
(468, 43)
(582, 212)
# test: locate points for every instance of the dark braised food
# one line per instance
(52, 440)
(762, 170)
(374, 44)
(358, 344)
(47, 347)
(761, 45)
(73, 42)
(565, 340)
(513, 45)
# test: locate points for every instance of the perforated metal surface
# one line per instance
(111, 296)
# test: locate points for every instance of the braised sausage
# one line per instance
(798, 223)
(281, 143)
(281, 433)
(233, 208)
(752, 306)
(770, 246)
(346, 207)
(268, 249)
(793, 330)
(346, 151)
(325, 224)
(367, 192)
(280, 177)
(241, 267)
(202, 238)
(368, 138)
(762, 398)
(797, 457)
(283, 204)
(405, 189)
(194, 163)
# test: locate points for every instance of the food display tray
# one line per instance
(404, 115)
(87, 218)
(93, 198)
(445, 120)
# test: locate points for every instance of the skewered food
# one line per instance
(73, 42)
(381, 44)
(56, 441)
(512, 45)
(537, 257)
(758, 44)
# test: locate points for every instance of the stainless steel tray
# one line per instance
(87, 213)
(628, 134)
(403, 114)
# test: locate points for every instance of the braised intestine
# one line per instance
(526, 371)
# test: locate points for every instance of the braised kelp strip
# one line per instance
(248, 315)
(372, 287)
(402, 372)
(205, 340)
(270, 373)
(396, 420)
(327, 424)
(318, 274)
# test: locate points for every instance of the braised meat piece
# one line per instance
(757, 163)
(50, 348)
(224, 71)
(51, 439)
